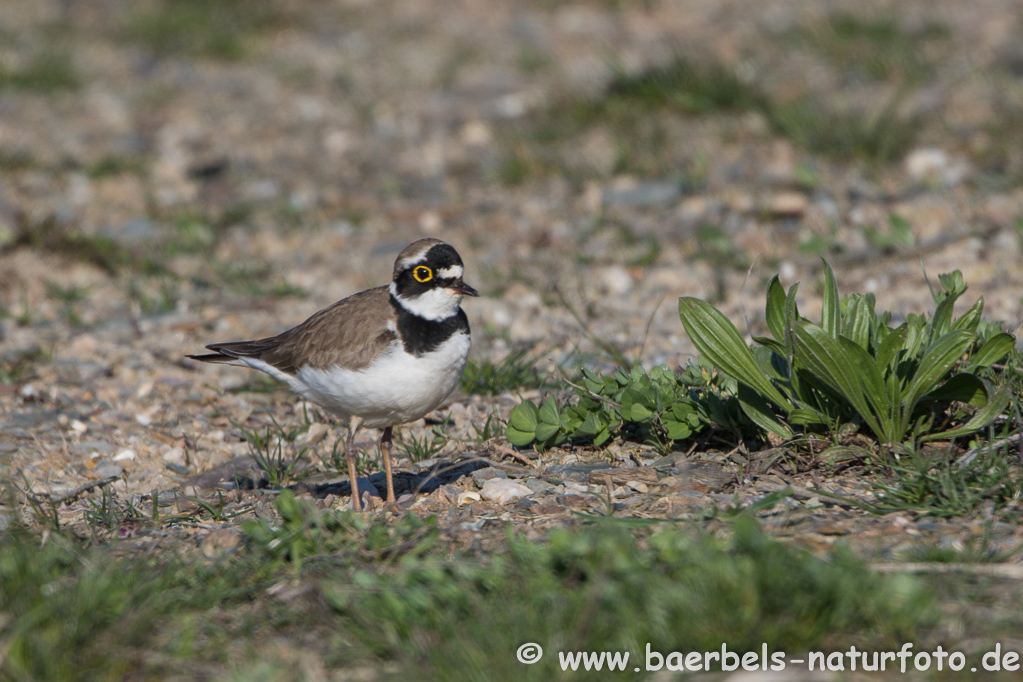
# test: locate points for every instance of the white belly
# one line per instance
(395, 389)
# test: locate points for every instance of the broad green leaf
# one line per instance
(546, 431)
(848, 369)
(719, 341)
(971, 318)
(548, 413)
(831, 313)
(981, 418)
(524, 417)
(640, 413)
(806, 416)
(768, 342)
(760, 412)
(941, 323)
(857, 321)
(519, 438)
(935, 364)
(993, 350)
(964, 388)
(892, 343)
(791, 317)
(774, 311)
(772, 364)
(915, 336)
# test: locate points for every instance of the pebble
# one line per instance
(616, 280)
(481, 476)
(641, 194)
(787, 205)
(219, 543)
(92, 448)
(537, 485)
(504, 490)
(124, 455)
(317, 432)
(467, 497)
(926, 162)
(176, 455)
(108, 470)
(476, 525)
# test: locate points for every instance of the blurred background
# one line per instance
(178, 172)
(231, 166)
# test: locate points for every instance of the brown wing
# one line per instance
(349, 334)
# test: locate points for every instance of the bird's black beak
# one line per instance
(462, 288)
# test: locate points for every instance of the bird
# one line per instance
(382, 357)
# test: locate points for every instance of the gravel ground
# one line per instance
(249, 190)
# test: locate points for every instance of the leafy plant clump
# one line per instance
(903, 384)
(656, 407)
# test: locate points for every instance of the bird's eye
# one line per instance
(422, 273)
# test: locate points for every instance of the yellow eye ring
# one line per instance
(422, 273)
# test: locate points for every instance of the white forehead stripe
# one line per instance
(406, 263)
(451, 271)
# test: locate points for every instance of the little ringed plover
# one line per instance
(382, 357)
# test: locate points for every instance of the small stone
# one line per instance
(449, 492)
(642, 194)
(79, 426)
(476, 525)
(92, 448)
(430, 222)
(175, 455)
(616, 279)
(504, 490)
(926, 162)
(316, 433)
(108, 470)
(788, 205)
(143, 419)
(458, 413)
(537, 485)
(124, 455)
(468, 497)
(476, 133)
(481, 476)
(219, 543)
(638, 486)
(366, 486)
